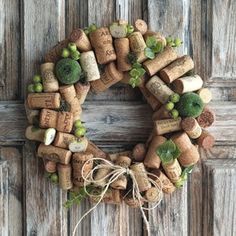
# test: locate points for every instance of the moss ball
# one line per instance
(190, 105)
(68, 71)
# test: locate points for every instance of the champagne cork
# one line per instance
(78, 162)
(81, 40)
(167, 186)
(89, 65)
(182, 141)
(205, 94)
(63, 140)
(191, 127)
(50, 82)
(100, 176)
(43, 100)
(152, 160)
(50, 166)
(189, 157)
(64, 122)
(114, 156)
(140, 26)
(122, 50)
(167, 126)
(110, 77)
(55, 53)
(159, 89)
(133, 203)
(207, 118)
(31, 115)
(137, 45)
(139, 152)
(187, 84)
(206, 140)
(159, 37)
(101, 41)
(64, 173)
(121, 182)
(95, 150)
(176, 69)
(82, 91)
(173, 170)
(153, 194)
(55, 154)
(161, 60)
(141, 176)
(48, 118)
(161, 113)
(151, 100)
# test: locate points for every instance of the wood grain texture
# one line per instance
(13, 158)
(9, 49)
(219, 197)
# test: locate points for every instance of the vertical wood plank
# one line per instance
(9, 49)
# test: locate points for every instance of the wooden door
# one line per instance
(117, 118)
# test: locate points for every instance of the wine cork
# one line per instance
(158, 36)
(152, 160)
(101, 41)
(112, 196)
(75, 109)
(133, 202)
(150, 137)
(176, 69)
(79, 145)
(35, 134)
(139, 152)
(89, 65)
(151, 100)
(68, 92)
(55, 154)
(110, 77)
(189, 157)
(50, 82)
(100, 176)
(114, 156)
(43, 100)
(206, 118)
(31, 115)
(161, 60)
(173, 170)
(81, 40)
(122, 50)
(205, 94)
(64, 174)
(187, 84)
(50, 166)
(78, 162)
(161, 113)
(141, 176)
(64, 122)
(121, 182)
(206, 140)
(140, 26)
(191, 127)
(95, 150)
(63, 140)
(167, 186)
(48, 118)
(159, 89)
(167, 126)
(55, 53)
(137, 45)
(182, 141)
(153, 194)
(82, 91)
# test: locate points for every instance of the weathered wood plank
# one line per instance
(13, 159)
(9, 49)
(219, 197)
(4, 224)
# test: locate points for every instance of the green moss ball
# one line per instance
(190, 105)
(68, 71)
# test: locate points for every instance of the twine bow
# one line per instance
(114, 174)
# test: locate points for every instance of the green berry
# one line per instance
(78, 124)
(80, 131)
(169, 106)
(86, 31)
(47, 174)
(65, 53)
(92, 27)
(54, 178)
(75, 55)
(38, 87)
(178, 42)
(72, 47)
(169, 40)
(31, 88)
(174, 97)
(130, 29)
(174, 113)
(37, 79)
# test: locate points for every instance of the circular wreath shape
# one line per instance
(95, 59)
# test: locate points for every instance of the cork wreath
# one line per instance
(93, 59)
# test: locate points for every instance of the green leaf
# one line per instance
(141, 72)
(132, 58)
(137, 65)
(168, 151)
(134, 73)
(149, 53)
(158, 47)
(151, 41)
